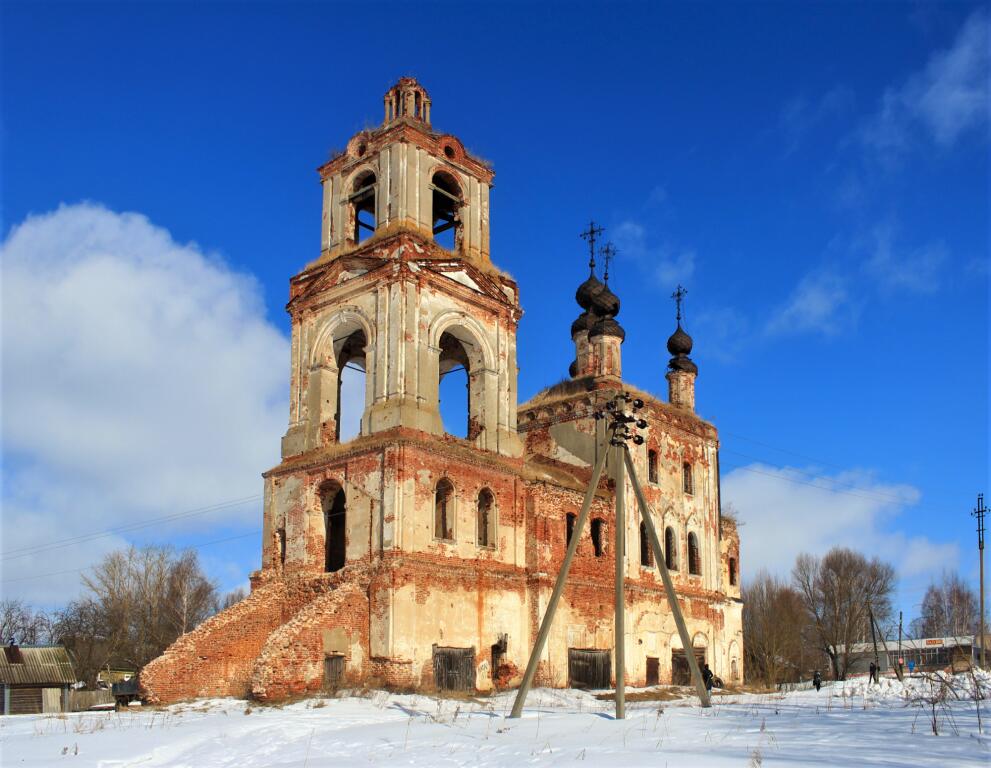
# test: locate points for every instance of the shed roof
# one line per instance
(38, 665)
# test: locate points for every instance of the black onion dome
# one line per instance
(587, 292)
(680, 343)
(605, 303)
(606, 326)
(582, 323)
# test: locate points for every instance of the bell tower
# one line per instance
(404, 289)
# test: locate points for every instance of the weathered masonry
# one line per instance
(409, 557)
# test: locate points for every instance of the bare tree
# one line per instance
(22, 623)
(775, 630)
(949, 609)
(836, 590)
(137, 602)
(233, 597)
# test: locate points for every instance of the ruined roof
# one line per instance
(36, 665)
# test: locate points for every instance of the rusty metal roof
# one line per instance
(42, 665)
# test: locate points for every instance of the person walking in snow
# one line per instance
(873, 676)
(707, 677)
(817, 680)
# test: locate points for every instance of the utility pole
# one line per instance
(877, 661)
(900, 641)
(979, 512)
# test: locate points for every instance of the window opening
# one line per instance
(670, 549)
(350, 386)
(646, 556)
(598, 536)
(363, 206)
(446, 211)
(694, 561)
(454, 387)
(687, 479)
(335, 515)
(732, 571)
(444, 510)
(569, 526)
(486, 518)
(280, 538)
(652, 466)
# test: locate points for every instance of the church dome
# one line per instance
(587, 292)
(605, 303)
(582, 323)
(607, 326)
(680, 343)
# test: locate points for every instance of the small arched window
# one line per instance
(446, 216)
(687, 480)
(694, 560)
(444, 510)
(486, 519)
(569, 526)
(670, 549)
(646, 556)
(732, 571)
(652, 465)
(362, 206)
(598, 536)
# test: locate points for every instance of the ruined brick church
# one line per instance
(411, 558)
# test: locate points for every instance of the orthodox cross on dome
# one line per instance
(590, 235)
(608, 252)
(679, 296)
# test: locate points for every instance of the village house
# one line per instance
(411, 558)
(35, 679)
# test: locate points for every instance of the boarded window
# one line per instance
(732, 571)
(454, 669)
(333, 672)
(652, 466)
(486, 519)
(694, 560)
(599, 536)
(444, 510)
(646, 556)
(687, 480)
(589, 668)
(670, 549)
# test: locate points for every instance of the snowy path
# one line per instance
(836, 727)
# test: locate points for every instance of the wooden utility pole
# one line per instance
(877, 661)
(900, 657)
(620, 422)
(979, 512)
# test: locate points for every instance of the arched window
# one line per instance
(454, 386)
(569, 526)
(350, 351)
(670, 549)
(486, 519)
(732, 571)
(687, 480)
(646, 556)
(447, 204)
(362, 206)
(444, 510)
(598, 536)
(334, 502)
(694, 561)
(652, 465)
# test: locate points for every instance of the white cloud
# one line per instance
(820, 303)
(787, 511)
(916, 270)
(140, 378)
(945, 101)
(667, 264)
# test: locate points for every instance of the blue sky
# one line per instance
(816, 175)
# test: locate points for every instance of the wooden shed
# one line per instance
(35, 679)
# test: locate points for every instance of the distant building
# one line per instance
(35, 679)
(924, 654)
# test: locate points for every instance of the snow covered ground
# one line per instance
(843, 725)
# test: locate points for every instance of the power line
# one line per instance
(13, 554)
(723, 432)
(80, 570)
